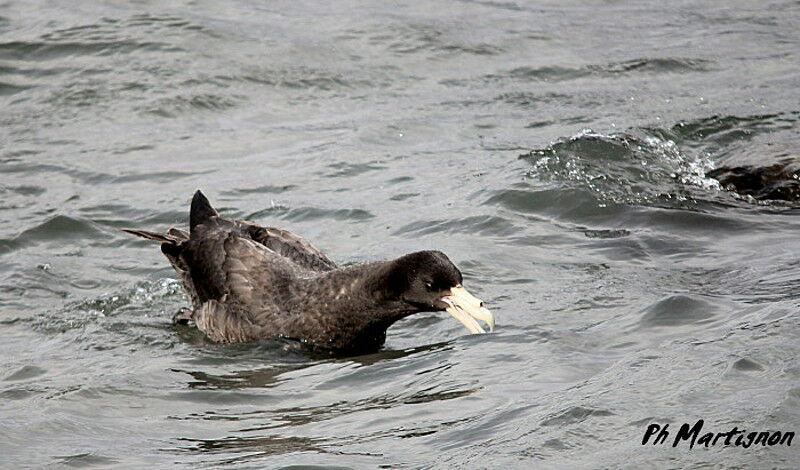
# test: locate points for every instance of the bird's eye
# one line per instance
(429, 285)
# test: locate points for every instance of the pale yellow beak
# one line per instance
(466, 308)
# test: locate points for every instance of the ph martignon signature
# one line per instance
(735, 437)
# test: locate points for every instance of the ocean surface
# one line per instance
(556, 151)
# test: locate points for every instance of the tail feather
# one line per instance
(172, 245)
(201, 210)
(178, 234)
(154, 236)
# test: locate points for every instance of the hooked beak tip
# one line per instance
(466, 308)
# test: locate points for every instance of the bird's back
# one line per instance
(235, 261)
(247, 263)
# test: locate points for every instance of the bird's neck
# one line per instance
(354, 305)
(364, 286)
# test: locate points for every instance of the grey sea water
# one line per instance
(556, 151)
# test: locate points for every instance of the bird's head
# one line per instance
(429, 281)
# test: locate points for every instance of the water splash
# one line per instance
(634, 167)
(147, 299)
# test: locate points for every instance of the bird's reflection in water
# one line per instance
(260, 378)
(300, 355)
(247, 449)
(272, 431)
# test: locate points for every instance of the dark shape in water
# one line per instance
(777, 182)
(248, 283)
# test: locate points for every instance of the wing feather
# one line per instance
(297, 249)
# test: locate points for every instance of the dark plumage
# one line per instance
(247, 283)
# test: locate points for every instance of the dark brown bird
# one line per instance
(248, 283)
